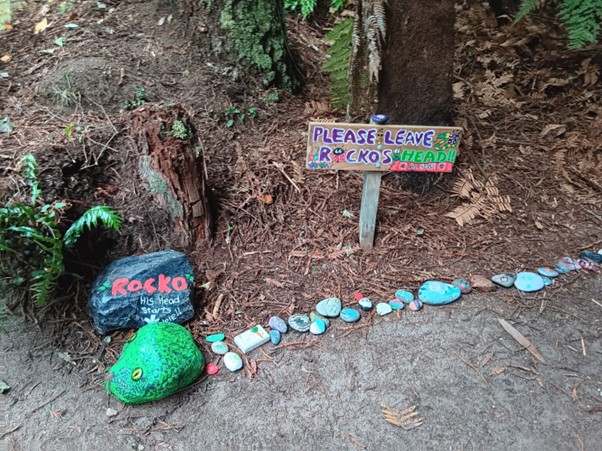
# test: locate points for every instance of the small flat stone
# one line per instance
(350, 315)
(396, 304)
(219, 347)
(593, 256)
(212, 369)
(570, 263)
(314, 315)
(215, 338)
(329, 307)
(415, 305)
(528, 282)
(317, 327)
(586, 264)
(299, 322)
(382, 308)
(232, 361)
(547, 272)
(277, 323)
(404, 296)
(434, 292)
(464, 285)
(275, 337)
(482, 283)
(505, 280)
(365, 304)
(547, 281)
(562, 268)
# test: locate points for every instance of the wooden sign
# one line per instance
(376, 147)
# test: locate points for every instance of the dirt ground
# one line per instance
(526, 191)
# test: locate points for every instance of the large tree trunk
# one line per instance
(415, 84)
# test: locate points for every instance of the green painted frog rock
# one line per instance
(156, 361)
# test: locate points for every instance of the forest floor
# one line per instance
(286, 237)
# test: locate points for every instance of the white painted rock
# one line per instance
(232, 361)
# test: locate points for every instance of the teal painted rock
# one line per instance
(277, 323)
(396, 304)
(404, 296)
(547, 272)
(318, 326)
(215, 338)
(219, 347)
(350, 315)
(593, 256)
(505, 280)
(562, 268)
(314, 315)
(329, 307)
(157, 361)
(383, 308)
(299, 322)
(433, 292)
(365, 304)
(232, 361)
(275, 337)
(528, 282)
(547, 281)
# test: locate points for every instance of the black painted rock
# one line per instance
(134, 291)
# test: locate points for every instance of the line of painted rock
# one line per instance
(547, 272)
(365, 304)
(277, 323)
(404, 296)
(463, 285)
(396, 304)
(434, 292)
(505, 280)
(275, 337)
(232, 361)
(329, 307)
(314, 315)
(219, 347)
(415, 305)
(318, 326)
(593, 256)
(383, 308)
(528, 282)
(350, 315)
(142, 289)
(299, 322)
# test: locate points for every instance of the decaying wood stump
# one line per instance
(172, 168)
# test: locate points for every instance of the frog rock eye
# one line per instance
(131, 338)
(338, 151)
(137, 374)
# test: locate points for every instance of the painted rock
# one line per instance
(600, 252)
(219, 347)
(251, 339)
(329, 307)
(586, 264)
(383, 308)
(317, 327)
(215, 338)
(547, 272)
(547, 281)
(570, 263)
(562, 268)
(350, 315)
(365, 304)
(528, 281)
(505, 280)
(434, 292)
(299, 322)
(482, 283)
(593, 256)
(415, 305)
(212, 369)
(396, 304)
(464, 285)
(232, 361)
(314, 315)
(404, 296)
(275, 337)
(277, 323)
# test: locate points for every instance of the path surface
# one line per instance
(475, 387)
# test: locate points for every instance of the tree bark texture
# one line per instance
(415, 84)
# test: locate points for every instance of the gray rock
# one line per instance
(134, 291)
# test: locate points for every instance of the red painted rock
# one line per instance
(212, 369)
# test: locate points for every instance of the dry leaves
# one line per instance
(406, 418)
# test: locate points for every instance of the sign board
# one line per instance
(374, 147)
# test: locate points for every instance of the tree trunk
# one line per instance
(415, 85)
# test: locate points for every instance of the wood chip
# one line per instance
(521, 339)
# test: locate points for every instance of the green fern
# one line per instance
(337, 66)
(32, 240)
(526, 7)
(308, 6)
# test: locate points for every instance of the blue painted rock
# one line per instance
(329, 307)
(547, 272)
(215, 338)
(350, 315)
(593, 256)
(299, 322)
(464, 285)
(232, 361)
(434, 292)
(396, 304)
(138, 290)
(317, 327)
(547, 281)
(365, 304)
(415, 305)
(404, 296)
(275, 337)
(505, 280)
(277, 323)
(219, 347)
(586, 264)
(383, 308)
(562, 268)
(570, 263)
(314, 315)
(528, 281)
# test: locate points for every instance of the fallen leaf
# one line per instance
(7, 26)
(59, 41)
(266, 199)
(41, 26)
(498, 370)
(6, 58)
(520, 338)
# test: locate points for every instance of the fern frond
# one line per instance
(527, 7)
(89, 220)
(582, 19)
(27, 169)
(337, 65)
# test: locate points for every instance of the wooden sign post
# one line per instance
(376, 148)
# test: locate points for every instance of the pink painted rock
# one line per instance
(212, 369)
